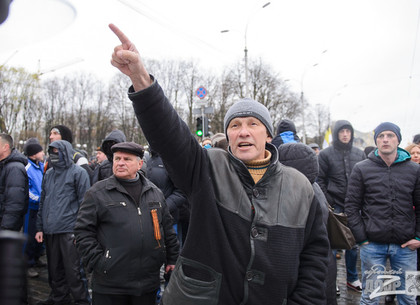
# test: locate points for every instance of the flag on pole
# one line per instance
(327, 138)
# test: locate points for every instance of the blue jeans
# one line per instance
(350, 256)
(374, 257)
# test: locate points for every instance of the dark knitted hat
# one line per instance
(247, 107)
(65, 133)
(129, 147)
(387, 126)
(32, 147)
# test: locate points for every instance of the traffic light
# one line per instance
(199, 127)
(207, 126)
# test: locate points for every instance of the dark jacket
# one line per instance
(286, 133)
(304, 159)
(231, 255)
(62, 193)
(104, 170)
(118, 244)
(14, 192)
(174, 197)
(383, 203)
(335, 165)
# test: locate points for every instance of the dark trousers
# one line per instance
(64, 269)
(33, 249)
(117, 299)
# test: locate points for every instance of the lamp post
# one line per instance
(302, 100)
(246, 49)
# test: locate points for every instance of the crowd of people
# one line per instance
(238, 218)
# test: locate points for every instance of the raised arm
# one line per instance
(127, 59)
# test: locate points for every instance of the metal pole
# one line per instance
(302, 101)
(246, 71)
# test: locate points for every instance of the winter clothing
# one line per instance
(385, 196)
(117, 240)
(286, 133)
(63, 189)
(129, 147)
(248, 243)
(335, 165)
(304, 159)
(387, 126)
(32, 147)
(104, 170)
(14, 191)
(175, 199)
(62, 193)
(65, 133)
(33, 249)
(248, 107)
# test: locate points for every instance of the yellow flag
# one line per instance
(327, 138)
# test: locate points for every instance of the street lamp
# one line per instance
(302, 100)
(246, 49)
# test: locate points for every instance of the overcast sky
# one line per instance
(369, 74)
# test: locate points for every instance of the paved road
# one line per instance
(39, 290)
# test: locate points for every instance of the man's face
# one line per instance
(55, 135)
(4, 149)
(100, 156)
(125, 166)
(247, 138)
(387, 142)
(344, 135)
(39, 157)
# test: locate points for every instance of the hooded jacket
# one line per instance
(286, 133)
(14, 191)
(104, 170)
(174, 197)
(63, 188)
(383, 203)
(232, 255)
(335, 165)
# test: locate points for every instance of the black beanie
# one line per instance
(32, 147)
(65, 133)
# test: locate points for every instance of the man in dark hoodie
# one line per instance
(104, 170)
(286, 133)
(336, 163)
(303, 158)
(63, 188)
(14, 189)
(61, 132)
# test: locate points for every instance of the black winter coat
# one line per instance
(335, 165)
(116, 238)
(383, 203)
(231, 255)
(175, 199)
(14, 191)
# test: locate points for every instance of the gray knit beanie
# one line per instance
(247, 107)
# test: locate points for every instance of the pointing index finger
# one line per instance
(121, 36)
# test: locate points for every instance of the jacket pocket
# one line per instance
(186, 290)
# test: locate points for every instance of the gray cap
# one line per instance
(129, 147)
(247, 107)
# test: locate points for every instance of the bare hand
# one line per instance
(412, 244)
(127, 59)
(39, 236)
(169, 268)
